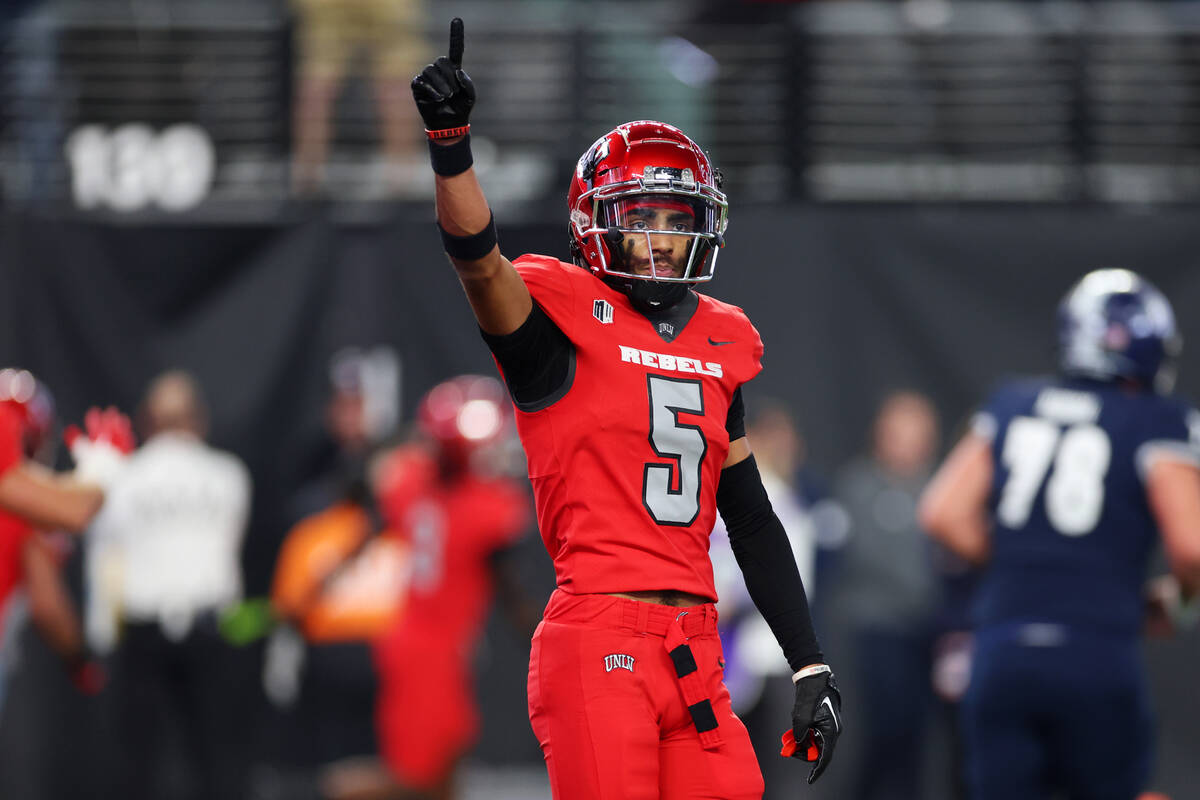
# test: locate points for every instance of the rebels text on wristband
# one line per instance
(449, 160)
(448, 133)
(472, 247)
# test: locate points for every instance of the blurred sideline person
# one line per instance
(460, 520)
(338, 585)
(34, 502)
(887, 593)
(627, 386)
(1062, 489)
(360, 415)
(330, 33)
(164, 560)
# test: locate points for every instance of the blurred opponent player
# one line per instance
(460, 519)
(627, 385)
(1063, 488)
(33, 499)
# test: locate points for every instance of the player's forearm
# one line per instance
(50, 606)
(1173, 493)
(462, 208)
(496, 292)
(768, 565)
(966, 536)
(49, 500)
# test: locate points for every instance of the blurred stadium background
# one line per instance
(912, 185)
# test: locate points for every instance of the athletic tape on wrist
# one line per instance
(472, 247)
(808, 672)
(451, 159)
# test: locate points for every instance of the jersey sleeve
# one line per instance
(752, 353)
(734, 339)
(551, 287)
(1172, 433)
(11, 432)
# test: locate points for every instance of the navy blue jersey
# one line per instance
(1072, 528)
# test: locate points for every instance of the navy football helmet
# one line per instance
(1114, 324)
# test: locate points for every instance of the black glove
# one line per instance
(444, 93)
(817, 717)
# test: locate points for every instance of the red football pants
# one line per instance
(608, 706)
(425, 711)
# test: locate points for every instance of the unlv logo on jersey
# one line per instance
(603, 311)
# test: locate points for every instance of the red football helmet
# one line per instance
(33, 402)
(645, 203)
(464, 414)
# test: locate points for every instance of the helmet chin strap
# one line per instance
(650, 297)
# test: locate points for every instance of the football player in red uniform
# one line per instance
(33, 498)
(627, 385)
(460, 517)
(33, 493)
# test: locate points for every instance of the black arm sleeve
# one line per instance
(537, 360)
(768, 565)
(735, 420)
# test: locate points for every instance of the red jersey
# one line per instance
(625, 465)
(14, 531)
(12, 433)
(451, 530)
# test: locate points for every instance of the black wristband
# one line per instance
(472, 247)
(451, 159)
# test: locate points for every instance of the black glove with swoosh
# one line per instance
(817, 714)
(444, 93)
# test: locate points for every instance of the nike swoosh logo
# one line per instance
(837, 725)
(718, 344)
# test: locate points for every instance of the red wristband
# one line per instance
(448, 133)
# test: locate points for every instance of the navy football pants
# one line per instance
(1070, 714)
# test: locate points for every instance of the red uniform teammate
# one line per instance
(32, 497)
(628, 392)
(456, 520)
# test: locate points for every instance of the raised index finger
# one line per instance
(456, 42)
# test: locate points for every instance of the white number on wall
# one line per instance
(131, 167)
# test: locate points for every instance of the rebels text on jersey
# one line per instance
(625, 461)
(1073, 530)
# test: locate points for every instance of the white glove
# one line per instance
(100, 453)
(98, 463)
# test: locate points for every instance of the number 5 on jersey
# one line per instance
(669, 498)
(1075, 487)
